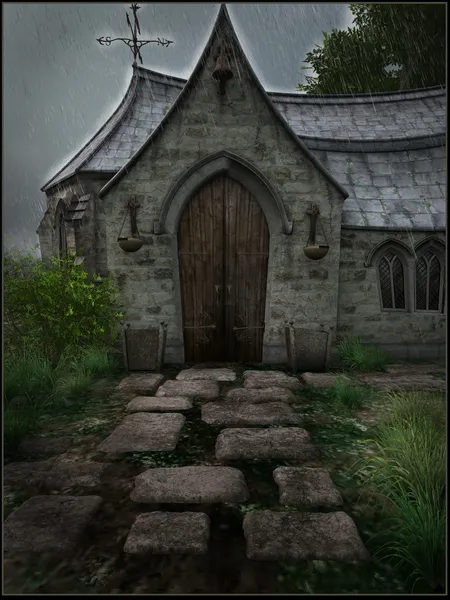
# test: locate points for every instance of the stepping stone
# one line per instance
(320, 380)
(46, 446)
(414, 369)
(206, 375)
(201, 389)
(283, 443)
(256, 396)
(50, 475)
(49, 523)
(232, 413)
(302, 485)
(141, 432)
(169, 533)
(142, 384)
(190, 485)
(302, 536)
(152, 404)
(408, 382)
(264, 379)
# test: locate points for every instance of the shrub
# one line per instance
(57, 306)
(98, 362)
(358, 357)
(347, 394)
(409, 470)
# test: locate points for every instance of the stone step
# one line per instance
(190, 485)
(140, 384)
(169, 533)
(235, 413)
(50, 475)
(306, 486)
(269, 394)
(294, 535)
(46, 446)
(50, 524)
(141, 432)
(283, 443)
(403, 381)
(194, 374)
(201, 389)
(320, 380)
(265, 379)
(153, 404)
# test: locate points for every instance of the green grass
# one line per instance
(409, 471)
(98, 362)
(348, 395)
(357, 356)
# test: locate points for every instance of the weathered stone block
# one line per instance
(50, 475)
(165, 404)
(303, 485)
(196, 374)
(140, 383)
(270, 379)
(190, 389)
(256, 395)
(235, 413)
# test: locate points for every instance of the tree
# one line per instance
(391, 47)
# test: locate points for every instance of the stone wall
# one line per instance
(404, 335)
(240, 122)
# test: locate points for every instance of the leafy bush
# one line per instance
(347, 394)
(358, 357)
(409, 470)
(98, 362)
(56, 307)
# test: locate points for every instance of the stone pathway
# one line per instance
(55, 523)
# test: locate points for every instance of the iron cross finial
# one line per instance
(134, 44)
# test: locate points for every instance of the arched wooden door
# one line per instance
(223, 246)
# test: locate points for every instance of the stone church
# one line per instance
(228, 212)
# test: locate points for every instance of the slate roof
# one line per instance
(387, 150)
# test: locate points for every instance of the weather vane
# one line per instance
(134, 44)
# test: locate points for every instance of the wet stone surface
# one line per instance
(151, 404)
(51, 475)
(169, 533)
(303, 485)
(49, 523)
(142, 432)
(283, 443)
(190, 389)
(196, 374)
(144, 384)
(320, 380)
(265, 379)
(303, 536)
(268, 394)
(235, 413)
(190, 485)
(403, 381)
(46, 446)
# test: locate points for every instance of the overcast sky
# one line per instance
(60, 85)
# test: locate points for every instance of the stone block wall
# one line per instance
(404, 335)
(240, 122)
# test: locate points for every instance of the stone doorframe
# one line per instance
(221, 163)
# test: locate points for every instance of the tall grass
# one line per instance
(359, 357)
(347, 394)
(97, 361)
(409, 470)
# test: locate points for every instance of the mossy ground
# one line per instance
(100, 566)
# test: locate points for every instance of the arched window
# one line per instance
(429, 279)
(391, 273)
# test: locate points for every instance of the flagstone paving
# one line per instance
(169, 533)
(268, 394)
(49, 523)
(403, 381)
(320, 380)
(190, 485)
(264, 379)
(235, 413)
(283, 443)
(151, 404)
(306, 486)
(144, 384)
(142, 432)
(46, 446)
(201, 389)
(51, 475)
(295, 535)
(195, 374)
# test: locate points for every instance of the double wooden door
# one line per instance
(223, 246)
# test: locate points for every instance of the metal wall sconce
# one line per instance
(222, 71)
(133, 243)
(313, 250)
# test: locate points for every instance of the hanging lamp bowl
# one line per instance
(316, 251)
(130, 244)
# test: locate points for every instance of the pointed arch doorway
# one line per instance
(223, 252)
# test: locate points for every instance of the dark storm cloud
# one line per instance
(60, 85)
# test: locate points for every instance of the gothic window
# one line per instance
(391, 273)
(429, 281)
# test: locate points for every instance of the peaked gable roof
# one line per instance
(223, 20)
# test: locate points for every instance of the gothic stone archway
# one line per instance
(223, 251)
